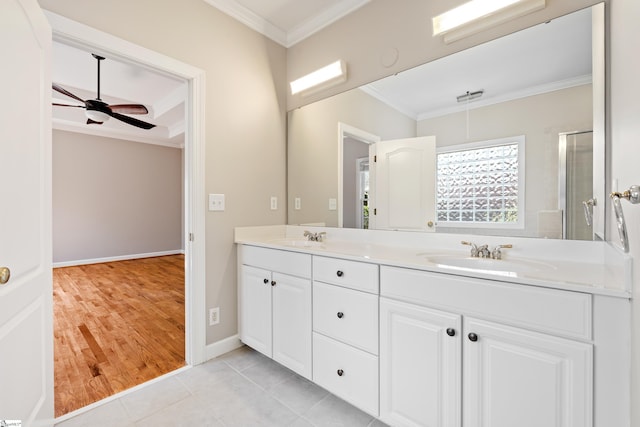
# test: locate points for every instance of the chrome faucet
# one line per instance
(314, 237)
(483, 251)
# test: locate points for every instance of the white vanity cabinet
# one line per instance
(275, 305)
(459, 351)
(345, 330)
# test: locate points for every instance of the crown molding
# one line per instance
(250, 19)
(295, 35)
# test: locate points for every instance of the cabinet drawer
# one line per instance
(293, 263)
(347, 315)
(347, 372)
(554, 311)
(351, 274)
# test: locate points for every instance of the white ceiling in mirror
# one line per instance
(287, 21)
(75, 70)
(564, 44)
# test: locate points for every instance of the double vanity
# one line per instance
(413, 330)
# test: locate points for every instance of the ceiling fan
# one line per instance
(98, 112)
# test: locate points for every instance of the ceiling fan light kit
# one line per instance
(98, 111)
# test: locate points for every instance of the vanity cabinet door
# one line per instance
(514, 377)
(291, 317)
(420, 366)
(255, 308)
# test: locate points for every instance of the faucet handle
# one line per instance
(497, 253)
(474, 248)
(320, 236)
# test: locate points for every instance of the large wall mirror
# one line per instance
(514, 137)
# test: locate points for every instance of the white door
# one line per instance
(420, 366)
(291, 298)
(514, 377)
(26, 319)
(255, 294)
(403, 174)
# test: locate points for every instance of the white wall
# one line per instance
(114, 198)
(245, 117)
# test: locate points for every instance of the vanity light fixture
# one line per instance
(477, 15)
(469, 96)
(322, 78)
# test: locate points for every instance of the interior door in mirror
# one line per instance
(402, 184)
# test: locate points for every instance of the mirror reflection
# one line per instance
(505, 138)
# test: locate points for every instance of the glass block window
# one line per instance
(481, 184)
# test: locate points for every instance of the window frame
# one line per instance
(520, 140)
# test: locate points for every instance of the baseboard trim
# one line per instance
(116, 258)
(223, 346)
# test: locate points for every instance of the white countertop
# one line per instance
(591, 267)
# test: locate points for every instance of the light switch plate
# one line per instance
(216, 202)
(333, 204)
(297, 204)
(274, 203)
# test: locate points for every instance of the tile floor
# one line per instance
(240, 388)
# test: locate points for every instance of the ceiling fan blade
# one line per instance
(129, 108)
(132, 121)
(68, 105)
(65, 92)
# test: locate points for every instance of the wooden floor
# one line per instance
(116, 325)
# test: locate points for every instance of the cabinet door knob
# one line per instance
(273, 283)
(340, 372)
(473, 337)
(340, 315)
(266, 281)
(451, 332)
(340, 273)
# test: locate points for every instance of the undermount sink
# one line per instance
(504, 266)
(298, 243)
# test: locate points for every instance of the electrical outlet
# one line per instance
(214, 316)
(274, 203)
(297, 203)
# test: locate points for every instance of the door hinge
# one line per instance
(375, 159)
(375, 211)
(191, 237)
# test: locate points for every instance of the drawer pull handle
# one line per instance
(340, 315)
(340, 273)
(473, 337)
(340, 372)
(451, 332)
(273, 283)
(266, 281)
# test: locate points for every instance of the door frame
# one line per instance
(76, 34)
(344, 131)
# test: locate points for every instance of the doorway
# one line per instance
(353, 176)
(73, 33)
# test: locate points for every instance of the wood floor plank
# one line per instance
(116, 325)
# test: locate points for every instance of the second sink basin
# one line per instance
(507, 266)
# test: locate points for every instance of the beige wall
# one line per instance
(540, 119)
(313, 148)
(245, 117)
(114, 198)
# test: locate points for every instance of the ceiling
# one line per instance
(550, 56)
(121, 83)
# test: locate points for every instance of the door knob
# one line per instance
(5, 275)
